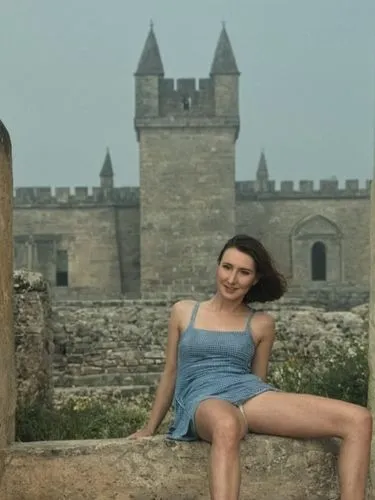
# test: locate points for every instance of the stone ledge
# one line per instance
(156, 469)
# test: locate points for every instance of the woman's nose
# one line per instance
(232, 277)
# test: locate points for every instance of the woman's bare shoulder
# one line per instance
(263, 325)
(182, 311)
(184, 305)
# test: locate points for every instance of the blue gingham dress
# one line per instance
(212, 364)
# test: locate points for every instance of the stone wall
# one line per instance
(89, 235)
(109, 343)
(121, 343)
(289, 227)
(103, 242)
(33, 338)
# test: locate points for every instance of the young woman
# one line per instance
(215, 371)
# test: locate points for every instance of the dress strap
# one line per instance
(248, 321)
(194, 314)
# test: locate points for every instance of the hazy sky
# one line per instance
(307, 82)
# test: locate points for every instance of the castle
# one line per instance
(162, 239)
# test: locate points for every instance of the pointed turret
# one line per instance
(225, 79)
(148, 78)
(224, 62)
(150, 62)
(262, 182)
(106, 173)
(262, 172)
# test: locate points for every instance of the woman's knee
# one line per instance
(363, 419)
(219, 422)
(359, 421)
(228, 430)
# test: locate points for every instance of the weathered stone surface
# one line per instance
(121, 343)
(33, 337)
(154, 469)
(371, 352)
(7, 369)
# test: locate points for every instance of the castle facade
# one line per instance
(162, 239)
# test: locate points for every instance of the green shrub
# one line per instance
(340, 372)
(78, 418)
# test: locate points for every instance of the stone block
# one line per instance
(156, 469)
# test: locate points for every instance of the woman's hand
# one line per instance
(144, 432)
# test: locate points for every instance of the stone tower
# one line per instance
(187, 134)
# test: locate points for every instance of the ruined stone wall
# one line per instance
(33, 338)
(109, 343)
(121, 343)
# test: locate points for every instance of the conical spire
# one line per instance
(224, 62)
(262, 172)
(150, 62)
(107, 170)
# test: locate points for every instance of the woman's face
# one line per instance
(236, 274)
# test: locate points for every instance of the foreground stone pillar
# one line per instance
(7, 366)
(371, 352)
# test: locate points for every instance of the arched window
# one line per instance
(318, 262)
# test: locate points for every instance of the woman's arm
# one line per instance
(263, 328)
(166, 386)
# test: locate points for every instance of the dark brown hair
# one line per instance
(272, 284)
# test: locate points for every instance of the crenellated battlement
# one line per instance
(326, 188)
(80, 195)
(129, 196)
(182, 95)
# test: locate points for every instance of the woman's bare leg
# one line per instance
(306, 416)
(221, 424)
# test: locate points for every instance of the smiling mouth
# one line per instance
(231, 289)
